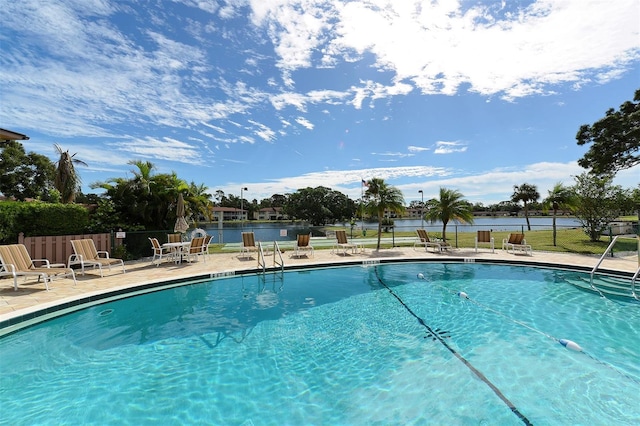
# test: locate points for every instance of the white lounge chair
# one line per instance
(424, 240)
(342, 242)
(303, 245)
(484, 237)
(16, 261)
(86, 254)
(516, 242)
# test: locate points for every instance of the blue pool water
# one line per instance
(354, 345)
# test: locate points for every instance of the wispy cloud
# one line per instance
(449, 147)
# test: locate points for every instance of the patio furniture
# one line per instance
(86, 254)
(196, 248)
(302, 245)
(248, 244)
(516, 243)
(16, 261)
(484, 237)
(424, 240)
(174, 238)
(160, 252)
(342, 242)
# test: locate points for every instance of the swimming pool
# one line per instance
(388, 343)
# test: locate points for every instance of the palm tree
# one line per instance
(382, 197)
(450, 206)
(526, 193)
(199, 199)
(560, 197)
(66, 179)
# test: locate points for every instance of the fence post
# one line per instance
(610, 240)
(456, 225)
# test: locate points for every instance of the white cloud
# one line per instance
(165, 149)
(449, 147)
(304, 123)
(412, 148)
(441, 45)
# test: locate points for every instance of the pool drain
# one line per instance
(105, 312)
(437, 334)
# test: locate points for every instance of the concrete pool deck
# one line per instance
(32, 297)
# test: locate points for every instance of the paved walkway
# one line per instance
(32, 297)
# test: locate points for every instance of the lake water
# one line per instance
(232, 232)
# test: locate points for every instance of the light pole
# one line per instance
(242, 207)
(421, 209)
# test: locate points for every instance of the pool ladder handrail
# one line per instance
(593, 271)
(276, 251)
(595, 268)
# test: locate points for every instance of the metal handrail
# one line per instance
(609, 247)
(595, 268)
(261, 257)
(276, 249)
(633, 283)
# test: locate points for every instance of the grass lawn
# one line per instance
(572, 240)
(567, 240)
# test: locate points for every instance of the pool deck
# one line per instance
(32, 297)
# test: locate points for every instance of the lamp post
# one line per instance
(421, 209)
(242, 207)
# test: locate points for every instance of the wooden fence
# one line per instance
(58, 249)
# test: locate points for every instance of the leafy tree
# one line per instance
(105, 218)
(25, 175)
(597, 203)
(527, 194)
(147, 200)
(559, 198)
(67, 181)
(199, 200)
(276, 200)
(381, 197)
(506, 206)
(450, 206)
(635, 202)
(319, 205)
(615, 138)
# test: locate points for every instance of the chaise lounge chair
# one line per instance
(86, 254)
(16, 261)
(303, 244)
(484, 237)
(424, 240)
(342, 242)
(516, 242)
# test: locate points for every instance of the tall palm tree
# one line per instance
(560, 197)
(381, 197)
(66, 179)
(526, 193)
(450, 206)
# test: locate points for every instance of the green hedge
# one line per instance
(37, 218)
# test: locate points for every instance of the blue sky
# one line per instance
(278, 95)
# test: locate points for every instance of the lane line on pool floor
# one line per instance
(470, 366)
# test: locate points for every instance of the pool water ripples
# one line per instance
(333, 347)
